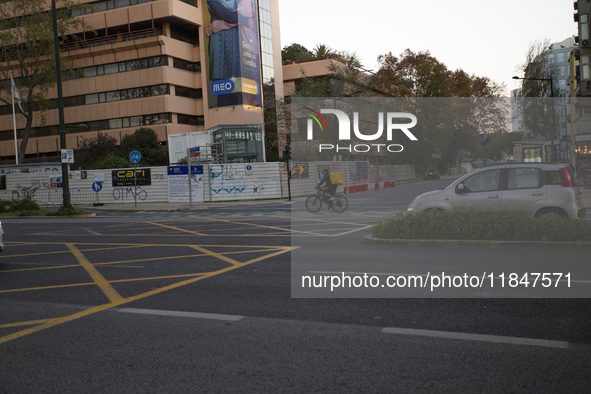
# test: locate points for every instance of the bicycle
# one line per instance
(338, 204)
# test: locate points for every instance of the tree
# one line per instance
(412, 75)
(93, 152)
(323, 50)
(145, 140)
(449, 126)
(295, 52)
(26, 39)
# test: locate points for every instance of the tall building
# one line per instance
(180, 67)
(558, 69)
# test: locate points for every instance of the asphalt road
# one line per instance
(202, 302)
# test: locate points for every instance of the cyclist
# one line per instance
(327, 186)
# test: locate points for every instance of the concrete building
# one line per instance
(163, 64)
(558, 69)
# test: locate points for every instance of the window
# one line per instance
(483, 182)
(523, 178)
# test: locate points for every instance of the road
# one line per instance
(202, 301)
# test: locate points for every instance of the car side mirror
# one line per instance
(460, 189)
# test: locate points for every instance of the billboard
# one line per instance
(233, 66)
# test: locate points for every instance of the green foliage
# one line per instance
(24, 200)
(295, 52)
(472, 225)
(111, 160)
(94, 151)
(145, 141)
(103, 151)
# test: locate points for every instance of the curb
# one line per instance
(474, 244)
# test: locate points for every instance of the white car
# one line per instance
(538, 188)
(1, 238)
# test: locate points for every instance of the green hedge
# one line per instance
(472, 225)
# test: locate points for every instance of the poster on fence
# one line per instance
(178, 184)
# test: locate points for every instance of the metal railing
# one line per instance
(112, 39)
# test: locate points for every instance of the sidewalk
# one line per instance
(178, 206)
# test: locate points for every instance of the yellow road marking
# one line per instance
(64, 286)
(216, 255)
(121, 301)
(176, 228)
(100, 280)
(24, 323)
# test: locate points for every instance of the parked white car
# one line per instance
(538, 188)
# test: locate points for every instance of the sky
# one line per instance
(485, 38)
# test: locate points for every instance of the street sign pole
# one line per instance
(135, 158)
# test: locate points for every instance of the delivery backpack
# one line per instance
(336, 178)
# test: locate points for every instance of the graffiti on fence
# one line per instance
(227, 179)
(124, 193)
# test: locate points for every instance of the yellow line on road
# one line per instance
(100, 280)
(121, 301)
(216, 255)
(24, 323)
(176, 228)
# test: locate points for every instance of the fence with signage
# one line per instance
(211, 183)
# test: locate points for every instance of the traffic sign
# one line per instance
(67, 155)
(97, 186)
(135, 157)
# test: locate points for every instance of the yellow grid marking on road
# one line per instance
(121, 301)
(176, 228)
(24, 323)
(83, 284)
(99, 279)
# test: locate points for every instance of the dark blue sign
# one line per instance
(97, 186)
(135, 157)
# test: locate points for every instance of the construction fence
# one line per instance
(209, 182)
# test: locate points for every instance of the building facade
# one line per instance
(177, 67)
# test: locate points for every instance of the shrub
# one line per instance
(472, 225)
(24, 200)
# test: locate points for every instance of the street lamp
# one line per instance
(67, 202)
(539, 79)
(553, 154)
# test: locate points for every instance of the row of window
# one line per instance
(100, 6)
(517, 178)
(131, 65)
(119, 95)
(110, 124)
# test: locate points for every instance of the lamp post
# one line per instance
(67, 203)
(553, 154)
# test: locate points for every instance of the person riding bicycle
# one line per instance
(326, 186)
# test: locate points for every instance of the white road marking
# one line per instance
(192, 315)
(477, 337)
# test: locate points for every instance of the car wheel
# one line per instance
(552, 212)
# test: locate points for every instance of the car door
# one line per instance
(525, 191)
(480, 191)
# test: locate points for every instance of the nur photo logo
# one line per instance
(392, 123)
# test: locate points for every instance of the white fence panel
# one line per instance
(243, 181)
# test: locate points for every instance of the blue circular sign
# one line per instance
(135, 157)
(97, 186)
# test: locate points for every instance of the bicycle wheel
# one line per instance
(313, 204)
(340, 203)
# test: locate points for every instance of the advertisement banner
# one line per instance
(232, 52)
(130, 177)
